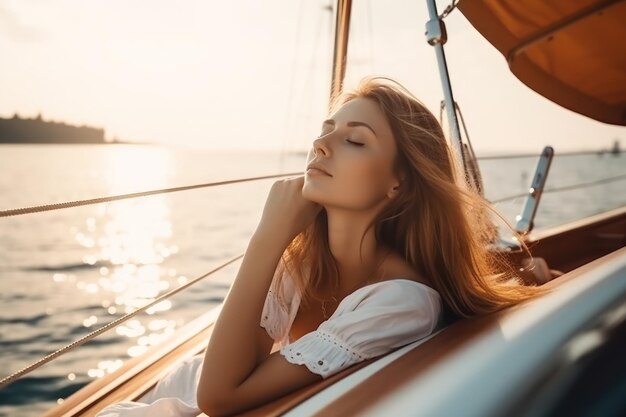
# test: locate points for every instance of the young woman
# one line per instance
(361, 255)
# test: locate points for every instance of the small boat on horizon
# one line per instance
(616, 149)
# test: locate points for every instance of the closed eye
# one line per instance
(350, 141)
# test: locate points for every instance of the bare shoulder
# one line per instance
(397, 267)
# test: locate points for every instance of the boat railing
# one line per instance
(5, 381)
(526, 219)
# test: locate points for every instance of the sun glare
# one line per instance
(129, 241)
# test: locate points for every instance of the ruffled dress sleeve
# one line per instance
(371, 321)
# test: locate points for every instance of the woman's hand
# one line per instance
(286, 211)
(228, 385)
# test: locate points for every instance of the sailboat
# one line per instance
(536, 358)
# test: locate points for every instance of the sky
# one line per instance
(252, 74)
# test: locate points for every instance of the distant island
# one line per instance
(37, 130)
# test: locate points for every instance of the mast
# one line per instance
(343, 11)
(436, 36)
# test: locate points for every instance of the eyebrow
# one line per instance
(351, 124)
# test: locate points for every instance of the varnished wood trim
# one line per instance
(569, 246)
(282, 405)
(433, 351)
(139, 374)
(406, 367)
(593, 221)
(148, 377)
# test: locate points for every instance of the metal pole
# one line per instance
(436, 36)
(342, 31)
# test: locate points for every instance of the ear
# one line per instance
(396, 185)
(393, 192)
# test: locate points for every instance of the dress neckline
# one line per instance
(390, 280)
(347, 297)
(419, 284)
(296, 307)
(373, 284)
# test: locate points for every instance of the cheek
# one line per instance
(357, 186)
(367, 184)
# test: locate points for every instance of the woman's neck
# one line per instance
(353, 245)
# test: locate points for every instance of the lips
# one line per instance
(319, 167)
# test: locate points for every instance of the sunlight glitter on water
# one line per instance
(132, 238)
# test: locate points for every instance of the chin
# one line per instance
(318, 194)
(312, 193)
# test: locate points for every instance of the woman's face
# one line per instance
(351, 163)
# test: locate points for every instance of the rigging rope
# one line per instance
(50, 207)
(16, 375)
(530, 155)
(567, 187)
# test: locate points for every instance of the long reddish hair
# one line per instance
(436, 223)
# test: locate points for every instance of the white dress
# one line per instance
(370, 322)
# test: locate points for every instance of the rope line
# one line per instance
(566, 187)
(28, 369)
(50, 207)
(530, 155)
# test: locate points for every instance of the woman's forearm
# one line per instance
(235, 348)
(238, 343)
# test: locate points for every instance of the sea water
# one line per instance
(65, 273)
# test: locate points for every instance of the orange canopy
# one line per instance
(571, 52)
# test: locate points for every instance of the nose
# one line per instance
(320, 146)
